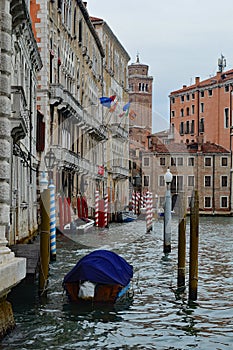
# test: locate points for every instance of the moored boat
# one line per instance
(79, 225)
(126, 216)
(99, 277)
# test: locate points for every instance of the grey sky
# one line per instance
(179, 40)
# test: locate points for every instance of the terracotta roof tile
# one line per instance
(189, 148)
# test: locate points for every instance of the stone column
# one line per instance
(12, 269)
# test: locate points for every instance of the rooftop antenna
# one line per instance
(221, 63)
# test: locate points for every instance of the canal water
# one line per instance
(156, 318)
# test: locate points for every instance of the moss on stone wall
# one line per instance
(7, 322)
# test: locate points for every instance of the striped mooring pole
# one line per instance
(106, 210)
(148, 212)
(53, 251)
(97, 208)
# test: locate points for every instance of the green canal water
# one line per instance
(156, 318)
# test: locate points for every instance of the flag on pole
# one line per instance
(113, 105)
(125, 110)
(132, 115)
(107, 101)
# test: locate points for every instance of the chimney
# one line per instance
(85, 3)
(197, 80)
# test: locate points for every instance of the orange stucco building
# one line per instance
(203, 110)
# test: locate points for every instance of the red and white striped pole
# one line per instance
(151, 209)
(148, 212)
(133, 202)
(106, 210)
(97, 208)
(137, 202)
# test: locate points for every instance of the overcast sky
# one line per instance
(178, 39)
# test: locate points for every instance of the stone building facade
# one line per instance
(200, 166)
(79, 131)
(115, 83)
(70, 85)
(19, 62)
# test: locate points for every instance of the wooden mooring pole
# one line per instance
(44, 241)
(194, 237)
(181, 245)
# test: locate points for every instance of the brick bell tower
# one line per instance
(140, 95)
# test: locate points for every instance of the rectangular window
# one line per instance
(80, 31)
(173, 161)
(146, 161)
(173, 114)
(192, 127)
(187, 97)
(182, 98)
(179, 183)
(202, 93)
(182, 128)
(208, 161)
(193, 96)
(202, 107)
(210, 92)
(162, 161)
(193, 109)
(226, 118)
(173, 99)
(224, 161)
(207, 181)
(180, 161)
(187, 127)
(191, 180)
(224, 181)
(146, 180)
(191, 161)
(224, 202)
(161, 181)
(207, 202)
(202, 126)
(227, 88)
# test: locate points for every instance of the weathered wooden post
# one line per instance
(181, 244)
(44, 241)
(167, 213)
(194, 236)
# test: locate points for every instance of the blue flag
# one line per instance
(107, 101)
(126, 107)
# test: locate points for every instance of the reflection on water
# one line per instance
(157, 318)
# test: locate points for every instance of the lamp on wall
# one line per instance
(50, 162)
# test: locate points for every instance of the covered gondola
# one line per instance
(99, 277)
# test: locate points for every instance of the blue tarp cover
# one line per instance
(101, 266)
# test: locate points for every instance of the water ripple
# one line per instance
(157, 318)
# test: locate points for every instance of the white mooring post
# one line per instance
(167, 213)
